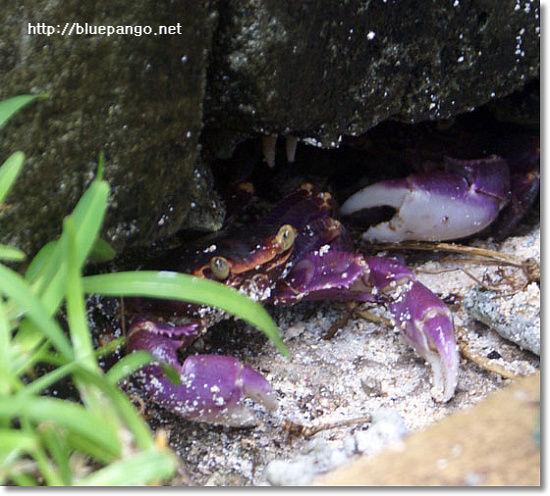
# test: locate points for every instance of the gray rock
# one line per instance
(136, 98)
(297, 472)
(319, 459)
(316, 70)
(387, 426)
(325, 69)
(515, 317)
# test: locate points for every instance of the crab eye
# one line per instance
(219, 267)
(285, 237)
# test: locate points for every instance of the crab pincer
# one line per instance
(423, 319)
(212, 388)
(438, 206)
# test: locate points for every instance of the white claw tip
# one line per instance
(444, 378)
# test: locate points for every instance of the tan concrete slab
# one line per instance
(491, 444)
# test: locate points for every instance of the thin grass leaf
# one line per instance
(5, 338)
(143, 468)
(11, 254)
(120, 401)
(23, 480)
(78, 322)
(15, 440)
(45, 465)
(87, 217)
(16, 466)
(133, 421)
(89, 448)
(29, 346)
(111, 347)
(100, 167)
(47, 380)
(71, 416)
(55, 443)
(14, 287)
(76, 308)
(9, 171)
(102, 251)
(11, 106)
(175, 286)
(127, 365)
(40, 261)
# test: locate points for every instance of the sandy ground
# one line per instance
(363, 368)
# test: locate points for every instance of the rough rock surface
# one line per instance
(136, 98)
(516, 317)
(314, 69)
(326, 69)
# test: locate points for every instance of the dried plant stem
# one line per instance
(485, 363)
(309, 431)
(530, 267)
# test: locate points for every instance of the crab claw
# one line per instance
(424, 320)
(212, 388)
(437, 206)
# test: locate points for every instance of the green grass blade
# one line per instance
(102, 251)
(9, 171)
(54, 441)
(47, 380)
(110, 347)
(128, 365)
(14, 287)
(41, 262)
(11, 106)
(15, 440)
(140, 469)
(174, 286)
(11, 254)
(28, 346)
(5, 346)
(71, 416)
(87, 217)
(44, 464)
(134, 361)
(76, 308)
(22, 479)
(119, 400)
(123, 406)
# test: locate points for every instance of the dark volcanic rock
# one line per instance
(137, 98)
(312, 69)
(324, 69)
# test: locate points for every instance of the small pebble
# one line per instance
(387, 426)
(301, 470)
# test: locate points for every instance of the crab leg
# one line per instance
(423, 319)
(212, 388)
(438, 206)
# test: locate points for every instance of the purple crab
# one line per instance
(298, 251)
